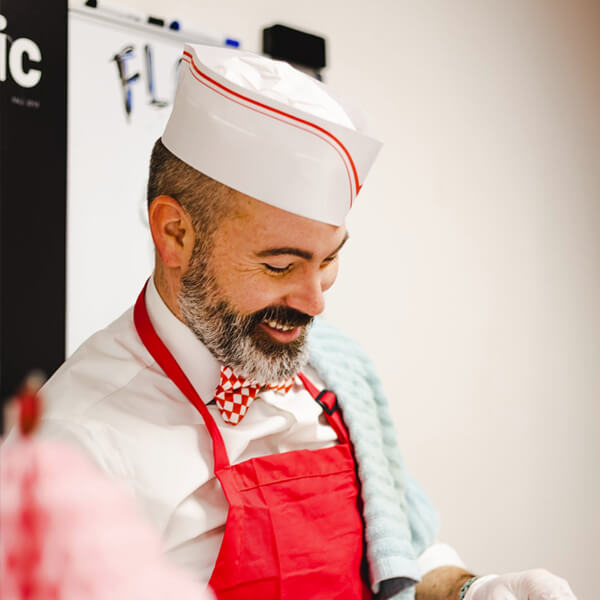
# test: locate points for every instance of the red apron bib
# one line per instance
(294, 529)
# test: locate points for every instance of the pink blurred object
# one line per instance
(69, 532)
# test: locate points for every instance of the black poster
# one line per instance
(33, 118)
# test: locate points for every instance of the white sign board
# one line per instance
(121, 81)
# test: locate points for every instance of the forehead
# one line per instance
(253, 226)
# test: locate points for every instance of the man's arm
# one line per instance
(443, 583)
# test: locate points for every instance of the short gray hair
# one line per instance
(205, 199)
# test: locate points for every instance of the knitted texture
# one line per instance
(400, 522)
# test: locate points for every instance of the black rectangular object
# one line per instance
(295, 46)
(33, 153)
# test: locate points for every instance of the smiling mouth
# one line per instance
(279, 326)
(281, 332)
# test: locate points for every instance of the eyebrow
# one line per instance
(297, 251)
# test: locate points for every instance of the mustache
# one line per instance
(284, 315)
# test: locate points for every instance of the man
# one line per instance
(210, 398)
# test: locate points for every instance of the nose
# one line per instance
(307, 295)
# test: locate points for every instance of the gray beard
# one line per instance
(234, 339)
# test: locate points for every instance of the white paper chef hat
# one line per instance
(269, 131)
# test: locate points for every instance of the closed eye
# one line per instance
(329, 260)
(273, 269)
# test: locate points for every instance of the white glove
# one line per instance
(537, 584)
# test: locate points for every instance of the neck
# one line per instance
(167, 286)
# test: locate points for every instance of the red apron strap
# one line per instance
(328, 402)
(169, 365)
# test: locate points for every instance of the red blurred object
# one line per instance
(30, 409)
(68, 531)
(28, 401)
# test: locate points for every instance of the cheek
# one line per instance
(330, 276)
(249, 294)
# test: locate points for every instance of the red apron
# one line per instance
(294, 529)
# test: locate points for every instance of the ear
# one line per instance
(172, 231)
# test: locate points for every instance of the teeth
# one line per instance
(278, 326)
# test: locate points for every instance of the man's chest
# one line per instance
(194, 524)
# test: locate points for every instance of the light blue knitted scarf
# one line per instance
(400, 522)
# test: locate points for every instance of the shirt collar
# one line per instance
(195, 359)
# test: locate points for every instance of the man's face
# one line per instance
(251, 297)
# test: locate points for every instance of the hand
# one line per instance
(537, 584)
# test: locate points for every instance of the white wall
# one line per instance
(473, 275)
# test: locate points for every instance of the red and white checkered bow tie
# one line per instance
(235, 394)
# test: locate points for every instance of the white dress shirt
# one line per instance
(111, 399)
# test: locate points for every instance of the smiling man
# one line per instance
(256, 438)
(251, 297)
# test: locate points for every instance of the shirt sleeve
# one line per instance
(438, 555)
(87, 439)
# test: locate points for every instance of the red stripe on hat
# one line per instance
(282, 121)
(276, 110)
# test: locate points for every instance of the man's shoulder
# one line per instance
(105, 363)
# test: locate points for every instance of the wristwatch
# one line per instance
(465, 588)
